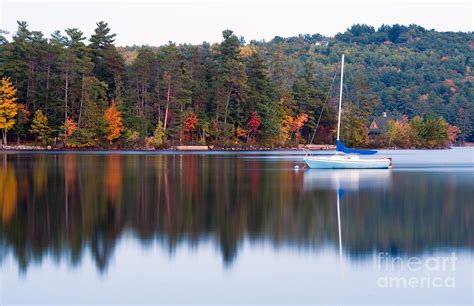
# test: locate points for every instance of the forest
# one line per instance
(68, 90)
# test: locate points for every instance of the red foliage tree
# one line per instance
(254, 124)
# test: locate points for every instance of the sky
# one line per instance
(156, 22)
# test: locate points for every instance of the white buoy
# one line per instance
(297, 167)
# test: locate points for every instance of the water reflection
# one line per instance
(67, 205)
(350, 179)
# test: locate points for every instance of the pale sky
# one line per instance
(157, 22)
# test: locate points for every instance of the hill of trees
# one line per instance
(86, 92)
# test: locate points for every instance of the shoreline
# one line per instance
(33, 148)
(145, 149)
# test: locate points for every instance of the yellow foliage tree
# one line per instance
(8, 107)
(114, 122)
(291, 126)
(247, 51)
(39, 127)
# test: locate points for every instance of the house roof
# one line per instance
(381, 123)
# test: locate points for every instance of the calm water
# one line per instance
(244, 228)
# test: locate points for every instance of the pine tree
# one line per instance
(232, 77)
(21, 120)
(39, 127)
(463, 122)
(109, 65)
(8, 107)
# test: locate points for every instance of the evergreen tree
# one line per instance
(232, 78)
(109, 66)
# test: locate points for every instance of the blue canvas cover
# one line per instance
(342, 148)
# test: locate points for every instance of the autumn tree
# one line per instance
(159, 134)
(8, 107)
(253, 124)
(291, 127)
(40, 128)
(113, 117)
(68, 128)
(240, 132)
(190, 125)
(398, 134)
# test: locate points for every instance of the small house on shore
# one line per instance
(378, 124)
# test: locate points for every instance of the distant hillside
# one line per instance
(405, 70)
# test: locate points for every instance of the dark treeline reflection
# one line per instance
(65, 205)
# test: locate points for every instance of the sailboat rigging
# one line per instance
(345, 158)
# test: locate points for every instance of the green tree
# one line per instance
(232, 78)
(93, 126)
(109, 66)
(354, 131)
(39, 127)
(463, 121)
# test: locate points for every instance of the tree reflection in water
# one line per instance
(65, 204)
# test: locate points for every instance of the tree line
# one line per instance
(73, 91)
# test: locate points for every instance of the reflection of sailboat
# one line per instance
(341, 181)
(341, 160)
(339, 231)
(352, 179)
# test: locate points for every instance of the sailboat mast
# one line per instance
(340, 99)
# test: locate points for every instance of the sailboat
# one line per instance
(345, 158)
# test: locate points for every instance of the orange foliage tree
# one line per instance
(190, 125)
(291, 126)
(69, 128)
(240, 132)
(113, 117)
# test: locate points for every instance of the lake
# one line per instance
(235, 228)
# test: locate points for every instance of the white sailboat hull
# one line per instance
(346, 162)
